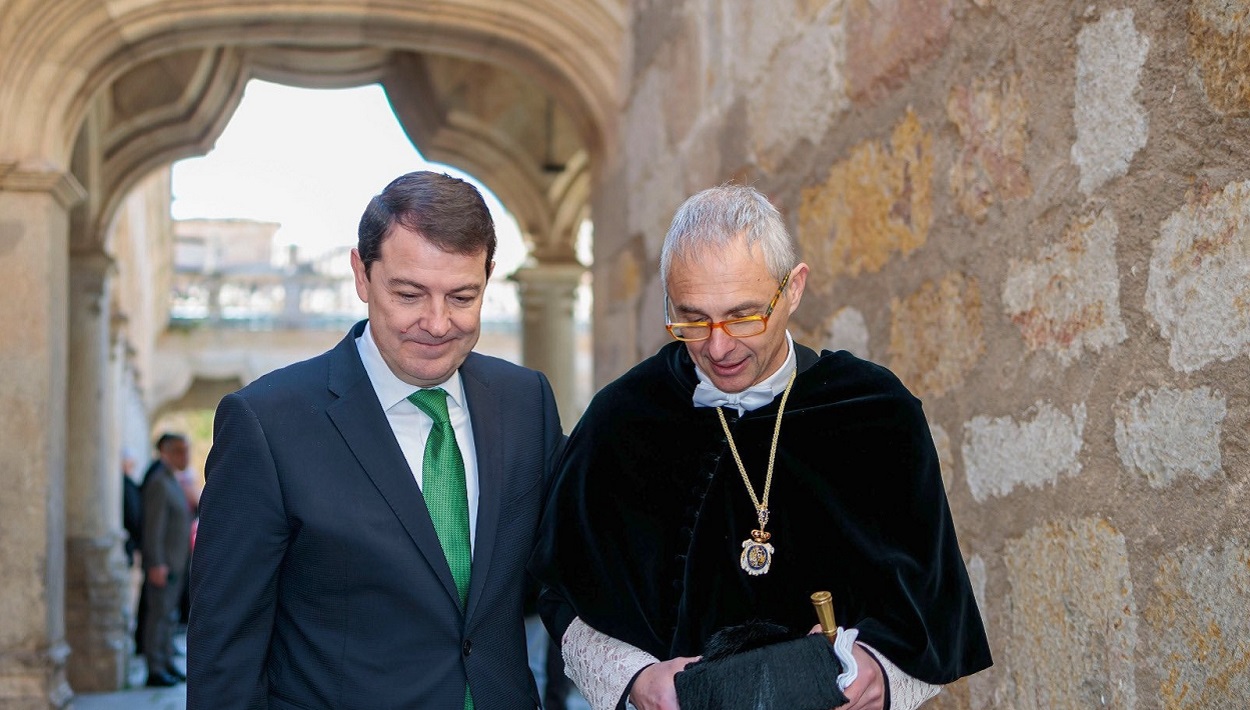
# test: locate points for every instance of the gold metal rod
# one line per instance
(823, 602)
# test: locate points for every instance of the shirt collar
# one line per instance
(758, 395)
(390, 389)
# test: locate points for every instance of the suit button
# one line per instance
(467, 647)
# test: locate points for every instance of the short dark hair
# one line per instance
(168, 437)
(447, 211)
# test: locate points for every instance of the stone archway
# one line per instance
(96, 95)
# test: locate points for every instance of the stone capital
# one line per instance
(63, 186)
(549, 274)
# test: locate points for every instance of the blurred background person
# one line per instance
(132, 509)
(166, 552)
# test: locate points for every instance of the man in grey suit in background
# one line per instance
(166, 546)
(368, 513)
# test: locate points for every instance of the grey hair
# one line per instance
(713, 218)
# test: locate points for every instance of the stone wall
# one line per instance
(1038, 215)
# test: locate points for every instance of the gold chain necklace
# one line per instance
(757, 553)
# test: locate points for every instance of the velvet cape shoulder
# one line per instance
(648, 512)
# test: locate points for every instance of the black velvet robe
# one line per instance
(644, 528)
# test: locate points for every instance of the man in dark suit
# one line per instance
(166, 548)
(368, 513)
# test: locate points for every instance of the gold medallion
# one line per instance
(757, 554)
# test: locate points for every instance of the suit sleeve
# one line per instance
(552, 431)
(242, 538)
(155, 518)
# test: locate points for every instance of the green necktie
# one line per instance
(443, 485)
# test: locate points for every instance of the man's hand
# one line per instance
(653, 688)
(868, 690)
(158, 576)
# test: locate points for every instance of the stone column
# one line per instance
(95, 594)
(34, 229)
(548, 331)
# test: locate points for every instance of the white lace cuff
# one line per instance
(906, 693)
(599, 665)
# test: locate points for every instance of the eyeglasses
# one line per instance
(735, 327)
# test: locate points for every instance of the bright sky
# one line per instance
(310, 160)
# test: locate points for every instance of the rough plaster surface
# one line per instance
(654, 180)
(625, 278)
(1111, 125)
(1198, 618)
(1164, 433)
(936, 336)
(848, 331)
(1001, 454)
(757, 30)
(801, 97)
(1068, 299)
(979, 578)
(1199, 285)
(1073, 618)
(889, 39)
(942, 444)
(993, 123)
(877, 202)
(1219, 41)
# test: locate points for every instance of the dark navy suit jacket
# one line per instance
(318, 580)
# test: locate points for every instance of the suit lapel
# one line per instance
(363, 425)
(488, 444)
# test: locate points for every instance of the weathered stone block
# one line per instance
(889, 39)
(625, 276)
(979, 578)
(646, 137)
(1068, 299)
(936, 335)
(942, 444)
(1199, 285)
(1199, 622)
(654, 23)
(1001, 454)
(1164, 433)
(756, 32)
(1219, 42)
(992, 120)
(800, 98)
(1073, 618)
(877, 202)
(848, 331)
(1111, 125)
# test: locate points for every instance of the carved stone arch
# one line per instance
(570, 196)
(162, 110)
(319, 67)
(447, 135)
(463, 113)
(200, 393)
(61, 59)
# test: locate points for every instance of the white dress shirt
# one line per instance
(412, 427)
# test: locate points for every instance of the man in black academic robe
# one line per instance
(643, 542)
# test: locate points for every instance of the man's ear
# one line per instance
(490, 269)
(798, 281)
(360, 275)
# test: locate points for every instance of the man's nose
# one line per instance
(436, 319)
(719, 343)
